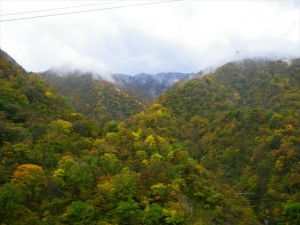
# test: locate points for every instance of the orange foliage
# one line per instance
(26, 173)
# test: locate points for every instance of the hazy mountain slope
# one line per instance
(147, 87)
(95, 98)
(243, 124)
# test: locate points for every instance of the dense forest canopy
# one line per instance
(222, 149)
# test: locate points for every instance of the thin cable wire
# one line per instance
(90, 10)
(55, 9)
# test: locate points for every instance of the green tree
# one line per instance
(153, 214)
(80, 213)
(129, 212)
(110, 164)
(292, 212)
(10, 197)
(126, 184)
(76, 175)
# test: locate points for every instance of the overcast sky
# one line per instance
(181, 36)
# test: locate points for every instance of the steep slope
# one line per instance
(37, 127)
(29, 110)
(95, 98)
(25, 100)
(243, 124)
(8, 66)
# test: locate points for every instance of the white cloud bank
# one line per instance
(183, 36)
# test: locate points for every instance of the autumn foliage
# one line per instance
(221, 149)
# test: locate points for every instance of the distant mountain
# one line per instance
(146, 87)
(142, 88)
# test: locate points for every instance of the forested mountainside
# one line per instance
(242, 124)
(95, 98)
(208, 151)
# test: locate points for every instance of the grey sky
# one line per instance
(181, 36)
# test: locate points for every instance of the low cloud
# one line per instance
(184, 36)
